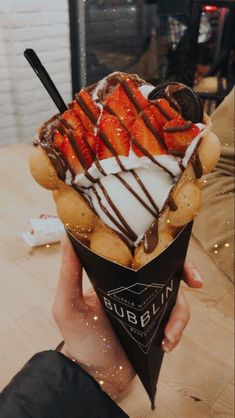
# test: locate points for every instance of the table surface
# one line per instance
(196, 380)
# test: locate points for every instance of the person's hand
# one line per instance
(180, 314)
(89, 338)
(87, 333)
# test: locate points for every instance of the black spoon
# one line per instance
(46, 80)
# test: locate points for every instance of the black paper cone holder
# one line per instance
(138, 302)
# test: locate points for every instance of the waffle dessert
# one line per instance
(125, 167)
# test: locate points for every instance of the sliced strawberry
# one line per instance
(120, 95)
(72, 121)
(83, 151)
(87, 110)
(92, 141)
(112, 131)
(58, 139)
(70, 155)
(124, 114)
(141, 135)
(163, 111)
(133, 92)
(178, 134)
(102, 151)
(89, 126)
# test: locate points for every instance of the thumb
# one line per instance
(69, 296)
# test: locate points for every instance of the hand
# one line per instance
(180, 314)
(89, 338)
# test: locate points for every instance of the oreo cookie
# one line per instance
(182, 98)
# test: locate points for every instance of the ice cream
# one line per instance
(125, 169)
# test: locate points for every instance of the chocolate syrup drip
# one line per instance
(151, 237)
(115, 222)
(132, 191)
(118, 213)
(142, 114)
(197, 166)
(182, 128)
(162, 110)
(79, 155)
(171, 203)
(152, 129)
(170, 90)
(86, 109)
(59, 164)
(145, 191)
(47, 129)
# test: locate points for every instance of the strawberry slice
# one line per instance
(178, 134)
(83, 151)
(113, 137)
(58, 139)
(162, 111)
(70, 155)
(92, 141)
(132, 91)
(72, 121)
(124, 114)
(119, 94)
(142, 136)
(87, 110)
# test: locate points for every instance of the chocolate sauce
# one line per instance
(109, 215)
(145, 191)
(47, 129)
(86, 109)
(171, 203)
(197, 166)
(132, 191)
(162, 110)
(182, 128)
(151, 237)
(170, 90)
(59, 164)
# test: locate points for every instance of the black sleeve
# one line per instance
(52, 386)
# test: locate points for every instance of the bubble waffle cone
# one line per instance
(126, 170)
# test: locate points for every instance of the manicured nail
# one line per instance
(174, 334)
(196, 275)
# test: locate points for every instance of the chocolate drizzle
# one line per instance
(182, 128)
(117, 212)
(151, 237)
(132, 191)
(197, 166)
(172, 89)
(171, 203)
(58, 162)
(145, 191)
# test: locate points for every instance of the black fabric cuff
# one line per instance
(50, 385)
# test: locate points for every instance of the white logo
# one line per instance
(139, 308)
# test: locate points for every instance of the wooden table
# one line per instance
(196, 379)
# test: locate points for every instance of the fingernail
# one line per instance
(175, 332)
(196, 275)
(167, 346)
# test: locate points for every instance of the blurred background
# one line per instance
(81, 41)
